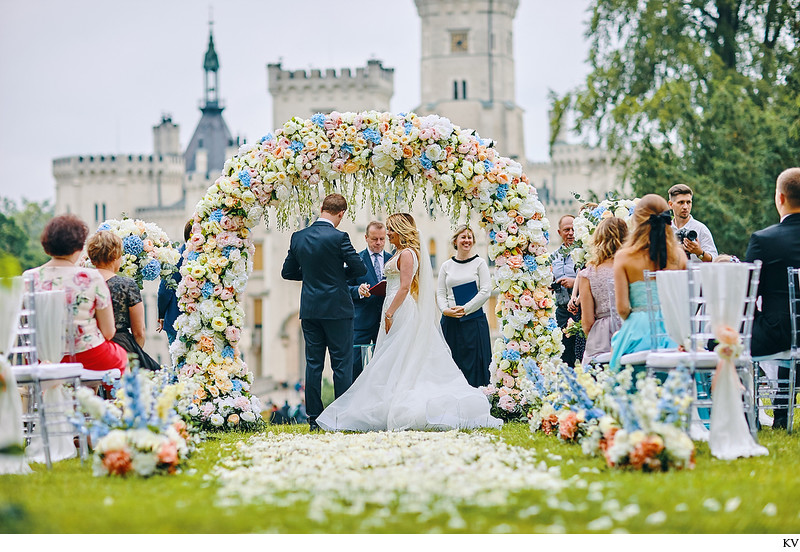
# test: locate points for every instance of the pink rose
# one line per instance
(226, 294)
(728, 335)
(507, 403)
(526, 301)
(190, 282)
(337, 165)
(197, 240)
(242, 403)
(147, 245)
(500, 261)
(524, 346)
(508, 381)
(515, 261)
(512, 228)
(500, 237)
(232, 334)
(567, 426)
(168, 453)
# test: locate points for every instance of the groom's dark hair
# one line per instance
(334, 204)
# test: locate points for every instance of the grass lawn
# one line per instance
(69, 499)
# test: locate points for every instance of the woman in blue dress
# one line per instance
(651, 245)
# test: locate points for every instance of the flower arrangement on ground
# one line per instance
(588, 219)
(391, 159)
(139, 432)
(147, 252)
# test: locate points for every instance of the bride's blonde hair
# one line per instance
(404, 226)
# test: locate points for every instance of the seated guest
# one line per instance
(651, 245)
(87, 294)
(168, 310)
(464, 326)
(777, 247)
(599, 312)
(105, 252)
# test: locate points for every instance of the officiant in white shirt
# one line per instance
(693, 235)
(464, 286)
(367, 317)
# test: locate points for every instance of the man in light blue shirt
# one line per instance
(563, 282)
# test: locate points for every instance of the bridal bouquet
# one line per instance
(147, 251)
(588, 219)
(140, 432)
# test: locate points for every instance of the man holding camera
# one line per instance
(563, 282)
(693, 235)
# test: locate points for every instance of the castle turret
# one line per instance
(212, 134)
(166, 137)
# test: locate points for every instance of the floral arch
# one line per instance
(389, 159)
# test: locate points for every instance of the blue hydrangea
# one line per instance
(402, 114)
(132, 245)
(372, 135)
(492, 234)
(630, 210)
(530, 262)
(267, 137)
(348, 148)
(152, 270)
(425, 162)
(237, 385)
(227, 251)
(193, 255)
(597, 211)
(296, 146)
(228, 352)
(488, 164)
(216, 215)
(408, 126)
(318, 119)
(510, 354)
(207, 289)
(104, 226)
(547, 236)
(244, 178)
(552, 324)
(502, 191)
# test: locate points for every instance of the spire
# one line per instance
(211, 67)
(211, 62)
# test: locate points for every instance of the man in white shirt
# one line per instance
(697, 240)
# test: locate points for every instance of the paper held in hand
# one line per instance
(379, 289)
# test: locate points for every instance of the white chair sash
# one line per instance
(673, 294)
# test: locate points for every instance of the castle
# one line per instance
(467, 75)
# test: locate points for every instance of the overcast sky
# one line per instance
(94, 76)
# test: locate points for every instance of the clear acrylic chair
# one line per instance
(767, 391)
(43, 416)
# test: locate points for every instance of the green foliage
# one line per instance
(21, 228)
(704, 92)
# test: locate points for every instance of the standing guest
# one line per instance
(693, 235)
(86, 292)
(600, 319)
(563, 282)
(168, 310)
(777, 247)
(464, 326)
(323, 258)
(651, 245)
(367, 317)
(105, 252)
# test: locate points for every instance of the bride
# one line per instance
(412, 381)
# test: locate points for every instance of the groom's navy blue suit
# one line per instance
(323, 258)
(367, 320)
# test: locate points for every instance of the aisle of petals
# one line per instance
(428, 473)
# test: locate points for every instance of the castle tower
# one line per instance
(298, 94)
(166, 137)
(467, 68)
(209, 147)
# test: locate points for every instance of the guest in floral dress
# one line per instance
(600, 319)
(105, 252)
(86, 292)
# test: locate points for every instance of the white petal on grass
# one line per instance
(656, 518)
(682, 507)
(603, 523)
(108, 501)
(711, 504)
(770, 509)
(732, 504)
(530, 511)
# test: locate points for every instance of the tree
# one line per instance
(704, 92)
(20, 229)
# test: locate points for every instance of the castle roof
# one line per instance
(213, 136)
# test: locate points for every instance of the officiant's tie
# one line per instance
(376, 262)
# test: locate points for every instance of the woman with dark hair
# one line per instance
(463, 322)
(86, 293)
(599, 317)
(105, 252)
(651, 245)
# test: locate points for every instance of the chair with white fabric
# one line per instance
(771, 387)
(730, 291)
(50, 385)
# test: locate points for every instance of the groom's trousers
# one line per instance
(335, 336)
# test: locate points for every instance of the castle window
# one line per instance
(455, 90)
(96, 213)
(463, 90)
(458, 42)
(460, 90)
(432, 252)
(258, 257)
(104, 211)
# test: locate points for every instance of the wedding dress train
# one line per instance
(412, 381)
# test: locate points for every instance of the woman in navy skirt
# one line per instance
(464, 286)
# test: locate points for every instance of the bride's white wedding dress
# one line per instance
(412, 381)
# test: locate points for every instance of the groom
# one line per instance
(323, 258)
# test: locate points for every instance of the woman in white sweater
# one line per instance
(464, 323)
